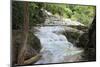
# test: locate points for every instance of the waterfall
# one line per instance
(55, 46)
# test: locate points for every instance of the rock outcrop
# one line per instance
(72, 34)
(87, 41)
(90, 49)
(32, 49)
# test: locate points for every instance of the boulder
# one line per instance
(72, 34)
(87, 41)
(90, 49)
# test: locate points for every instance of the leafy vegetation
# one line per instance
(17, 15)
(83, 14)
(27, 14)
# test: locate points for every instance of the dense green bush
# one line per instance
(35, 14)
(83, 14)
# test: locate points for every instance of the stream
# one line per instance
(55, 46)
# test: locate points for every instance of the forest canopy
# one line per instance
(81, 13)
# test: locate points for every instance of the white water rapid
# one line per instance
(55, 46)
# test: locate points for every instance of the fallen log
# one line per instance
(33, 59)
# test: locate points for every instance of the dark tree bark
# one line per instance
(21, 56)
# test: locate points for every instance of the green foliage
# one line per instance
(59, 9)
(83, 14)
(35, 14)
(17, 15)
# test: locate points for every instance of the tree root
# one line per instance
(33, 59)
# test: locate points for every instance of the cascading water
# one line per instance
(55, 46)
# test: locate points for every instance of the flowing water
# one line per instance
(55, 46)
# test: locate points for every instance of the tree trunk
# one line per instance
(21, 55)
